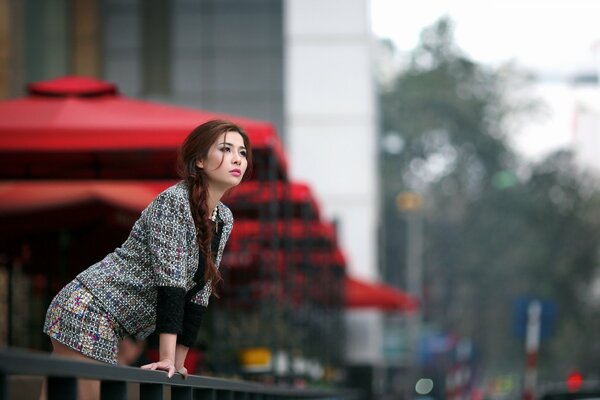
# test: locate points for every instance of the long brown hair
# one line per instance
(196, 147)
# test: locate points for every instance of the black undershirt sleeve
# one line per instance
(170, 303)
(191, 324)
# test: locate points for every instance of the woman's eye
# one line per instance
(243, 153)
(225, 149)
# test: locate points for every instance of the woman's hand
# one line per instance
(183, 372)
(167, 343)
(163, 365)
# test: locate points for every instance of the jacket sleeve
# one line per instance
(166, 222)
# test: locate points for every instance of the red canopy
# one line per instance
(80, 115)
(363, 294)
(28, 207)
(21, 197)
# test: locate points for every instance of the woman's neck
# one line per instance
(214, 196)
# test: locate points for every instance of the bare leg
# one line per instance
(43, 392)
(87, 389)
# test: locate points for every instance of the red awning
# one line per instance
(363, 294)
(21, 197)
(29, 207)
(79, 115)
(18, 198)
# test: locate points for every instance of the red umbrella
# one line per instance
(21, 197)
(363, 294)
(34, 206)
(91, 217)
(83, 124)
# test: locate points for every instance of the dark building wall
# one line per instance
(220, 55)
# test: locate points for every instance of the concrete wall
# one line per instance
(330, 117)
(331, 136)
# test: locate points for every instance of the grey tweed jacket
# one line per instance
(161, 251)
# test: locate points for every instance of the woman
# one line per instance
(162, 276)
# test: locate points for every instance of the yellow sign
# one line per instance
(255, 357)
(408, 201)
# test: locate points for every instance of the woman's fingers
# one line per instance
(165, 365)
(171, 371)
(183, 371)
(149, 366)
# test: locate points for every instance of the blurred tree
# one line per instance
(496, 227)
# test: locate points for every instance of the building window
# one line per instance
(156, 48)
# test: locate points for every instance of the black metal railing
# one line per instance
(62, 374)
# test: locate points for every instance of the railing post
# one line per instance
(113, 390)
(151, 391)
(62, 388)
(225, 395)
(206, 394)
(181, 393)
(3, 388)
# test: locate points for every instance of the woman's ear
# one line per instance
(200, 164)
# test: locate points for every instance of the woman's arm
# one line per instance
(180, 355)
(166, 223)
(167, 354)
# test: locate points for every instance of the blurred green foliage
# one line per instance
(496, 226)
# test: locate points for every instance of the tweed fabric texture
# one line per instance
(161, 251)
(77, 320)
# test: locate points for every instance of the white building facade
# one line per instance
(331, 131)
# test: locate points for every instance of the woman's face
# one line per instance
(226, 163)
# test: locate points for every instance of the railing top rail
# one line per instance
(21, 362)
